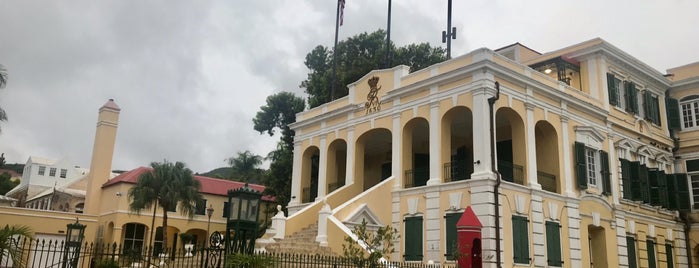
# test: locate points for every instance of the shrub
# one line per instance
(249, 261)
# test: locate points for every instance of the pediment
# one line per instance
(625, 144)
(363, 213)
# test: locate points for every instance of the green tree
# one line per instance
(378, 244)
(245, 166)
(3, 83)
(169, 186)
(9, 239)
(357, 56)
(6, 183)
(277, 114)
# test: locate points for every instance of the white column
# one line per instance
(620, 223)
(296, 176)
(573, 211)
(567, 165)
(396, 152)
(349, 166)
(435, 145)
(531, 148)
(481, 133)
(538, 223)
(322, 169)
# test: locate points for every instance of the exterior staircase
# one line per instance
(302, 242)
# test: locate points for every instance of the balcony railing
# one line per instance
(547, 181)
(457, 171)
(511, 172)
(416, 177)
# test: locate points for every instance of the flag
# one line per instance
(342, 11)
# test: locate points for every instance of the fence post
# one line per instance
(323, 214)
(279, 223)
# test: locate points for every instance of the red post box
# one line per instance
(468, 230)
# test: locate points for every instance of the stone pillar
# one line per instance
(323, 214)
(573, 211)
(567, 165)
(296, 176)
(538, 230)
(322, 169)
(613, 166)
(433, 216)
(483, 205)
(279, 223)
(531, 150)
(349, 166)
(620, 222)
(481, 133)
(396, 152)
(435, 145)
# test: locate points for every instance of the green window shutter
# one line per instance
(635, 168)
(650, 246)
(656, 110)
(653, 188)
(631, 251)
(604, 171)
(450, 220)
(645, 187)
(662, 189)
(520, 231)
(681, 182)
(413, 239)
(553, 243)
(647, 105)
(633, 97)
(672, 108)
(580, 165)
(225, 209)
(626, 178)
(669, 259)
(613, 91)
(671, 190)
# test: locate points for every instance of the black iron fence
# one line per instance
(45, 254)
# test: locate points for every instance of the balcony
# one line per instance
(416, 177)
(511, 172)
(457, 171)
(547, 181)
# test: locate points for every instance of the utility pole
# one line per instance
(388, 38)
(450, 33)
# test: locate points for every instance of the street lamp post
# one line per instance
(209, 212)
(242, 220)
(74, 239)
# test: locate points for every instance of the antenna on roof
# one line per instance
(450, 33)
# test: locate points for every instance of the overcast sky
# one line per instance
(190, 75)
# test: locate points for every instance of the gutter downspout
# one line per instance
(496, 192)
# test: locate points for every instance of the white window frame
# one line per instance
(42, 170)
(692, 115)
(592, 159)
(64, 173)
(52, 172)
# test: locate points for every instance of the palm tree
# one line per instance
(245, 165)
(3, 82)
(9, 239)
(169, 186)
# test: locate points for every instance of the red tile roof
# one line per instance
(208, 185)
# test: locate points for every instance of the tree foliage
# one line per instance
(378, 244)
(277, 114)
(6, 183)
(357, 56)
(246, 167)
(169, 186)
(9, 244)
(3, 83)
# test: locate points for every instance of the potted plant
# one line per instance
(187, 241)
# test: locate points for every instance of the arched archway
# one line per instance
(547, 163)
(309, 174)
(416, 152)
(373, 157)
(337, 165)
(457, 144)
(511, 145)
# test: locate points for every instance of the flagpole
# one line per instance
(388, 37)
(334, 77)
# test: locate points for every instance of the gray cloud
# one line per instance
(190, 76)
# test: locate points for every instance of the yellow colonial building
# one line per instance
(103, 204)
(580, 157)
